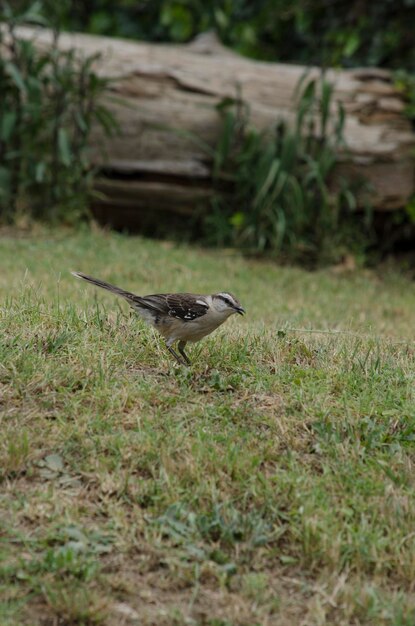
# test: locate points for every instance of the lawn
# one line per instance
(272, 483)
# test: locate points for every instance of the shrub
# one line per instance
(50, 101)
(272, 191)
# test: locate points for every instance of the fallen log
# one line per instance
(165, 98)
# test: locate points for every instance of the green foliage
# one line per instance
(50, 100)
(272, 187)
(320, 32)
(405, 83)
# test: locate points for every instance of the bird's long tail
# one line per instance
(101, 283)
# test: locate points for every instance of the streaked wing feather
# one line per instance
(184, 306)
(156, 303)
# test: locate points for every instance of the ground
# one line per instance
(271, 483)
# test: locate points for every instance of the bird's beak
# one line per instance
(240, 310)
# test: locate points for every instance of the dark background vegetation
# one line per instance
(322, 32)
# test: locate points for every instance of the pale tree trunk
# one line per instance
(165, 99)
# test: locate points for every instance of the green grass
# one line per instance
(272, 483)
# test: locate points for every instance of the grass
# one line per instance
(270, 484)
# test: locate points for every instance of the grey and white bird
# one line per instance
(179, 317)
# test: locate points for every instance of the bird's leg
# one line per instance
(181, 346)
(176, 356)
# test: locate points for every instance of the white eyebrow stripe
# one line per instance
(202, 302)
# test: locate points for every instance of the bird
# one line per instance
(178, 317)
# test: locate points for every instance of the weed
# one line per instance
(280, 200)
(50, 101)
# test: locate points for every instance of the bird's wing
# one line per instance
(184, 306)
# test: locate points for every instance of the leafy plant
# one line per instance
(50, 101)
(272, 190)
(405, 83)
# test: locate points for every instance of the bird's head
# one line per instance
(225, 302)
